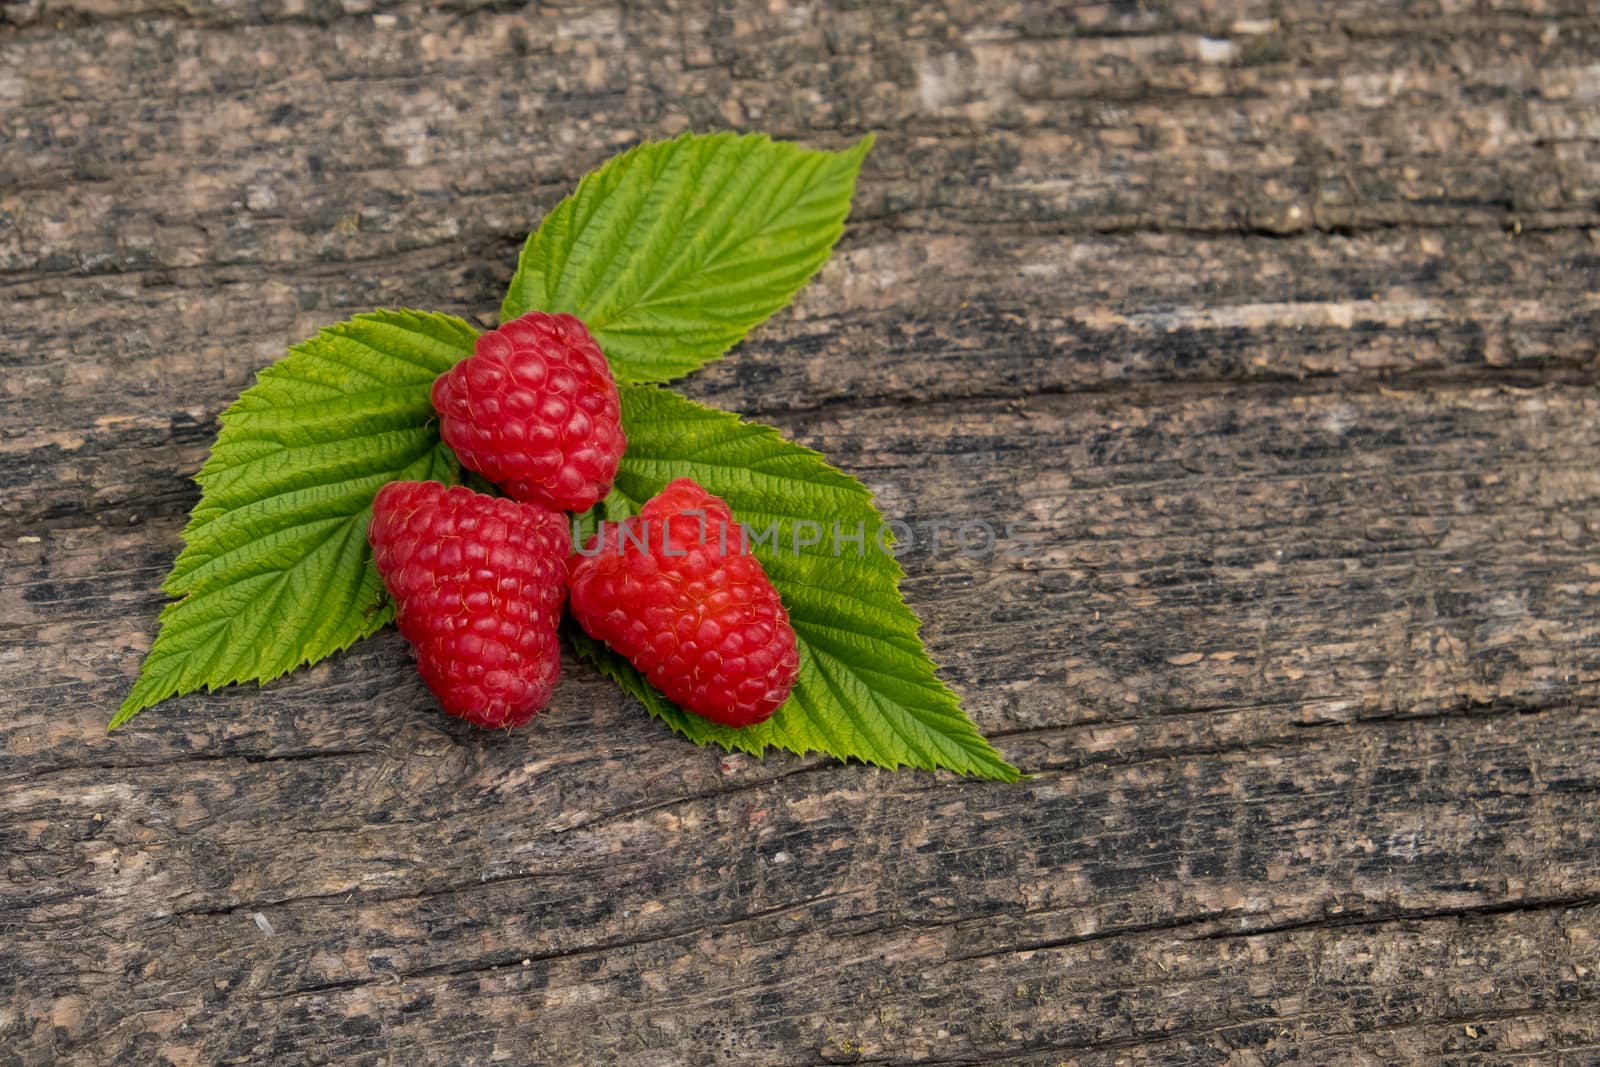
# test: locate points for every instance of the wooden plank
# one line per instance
(1358, 571)
(1272, 324)
(409, 136)
(133, 372)
(834, 906)
(1366, 737)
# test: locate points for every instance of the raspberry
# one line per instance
(479, 583)
(534, 409)
(691, 609)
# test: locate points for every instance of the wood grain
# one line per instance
(1271, 329)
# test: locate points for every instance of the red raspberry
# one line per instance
(479, 583)
(692, 609)
(534, 409)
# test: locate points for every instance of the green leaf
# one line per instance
(867, 689)
(275, 571)
(673, 251)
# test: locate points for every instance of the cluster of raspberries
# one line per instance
(479, 581)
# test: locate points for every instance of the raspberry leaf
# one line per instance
(867, 689)
(275, 570)
(673, 251)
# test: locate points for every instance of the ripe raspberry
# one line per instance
(691, 609)
(478, 582)
(534, 410)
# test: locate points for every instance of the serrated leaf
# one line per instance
(867, 689)
(673, 251)
(275, 571)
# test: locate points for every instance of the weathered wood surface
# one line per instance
(1275, 321)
